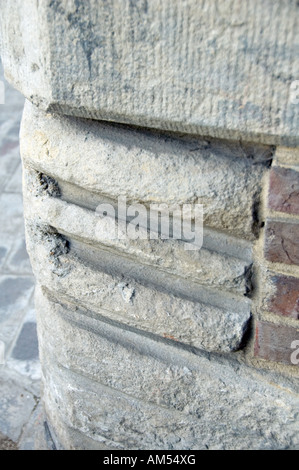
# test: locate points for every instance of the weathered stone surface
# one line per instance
(89, 235)
(113, 161)
(287, 156)
(15, 294)
(159, 304)
(281, 242)
(224, 68)
(123, 390)
(284, 190)
(278, 343)
(16, 405)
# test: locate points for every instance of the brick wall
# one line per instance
(277, 329)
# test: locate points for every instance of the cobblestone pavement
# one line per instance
(19, 365)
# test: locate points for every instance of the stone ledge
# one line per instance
(151, 65)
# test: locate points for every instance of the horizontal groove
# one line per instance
(95, 385)
(110, 263)
(93, 320)
(113, 331)
(213, 240)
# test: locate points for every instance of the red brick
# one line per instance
(274, 343)
(284, 190)
(282, 242)
(285, 300)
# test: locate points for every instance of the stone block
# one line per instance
(288, 156)
(156, 303)
(122, 390)
(91, 237)
(103, 161)
(224, 68)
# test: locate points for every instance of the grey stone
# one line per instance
(11, 215)
(8, 167)
(18, 261)
(16, 406)
(160, 304)
(15, 293)
(26, 347)
(14, 185)
(212, 68)
(35, 435)
(110, 161)
(89, 236)
(3, 253)
(124, 390)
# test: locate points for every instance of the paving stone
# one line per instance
(26, 368)
(26, 347)
(18, 260)
(14, 185)
(20, 368)
(16, 406)
(15, 293)
(25, 358)
(8, 166)
(11, 215)
(36, 435)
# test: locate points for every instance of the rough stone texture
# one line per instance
(16, 405)
(277, 343)
(284, 190)
(160, 305)
(6, 444)
(228, 68)
(140, 341)
(287, 156)
(281, 242)
(89, 236)
(152, 285)
(155, 168)
(285, 299)
(167, 397)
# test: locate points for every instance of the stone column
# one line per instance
(148, 341)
